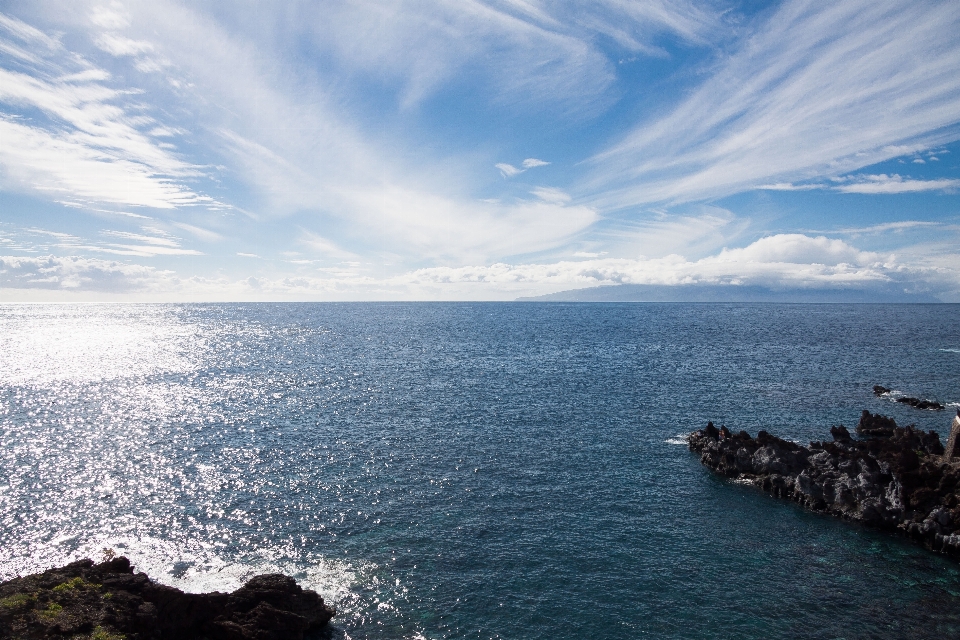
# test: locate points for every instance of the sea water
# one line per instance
(471, 470)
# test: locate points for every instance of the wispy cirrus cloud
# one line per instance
(530, 163)
(344, 131)
(519, 51)
(821, 89)
(883, 183)
(86, 144)
(635, 25)
(296, 148)
(897, 227)
(508, 170)
(151, 242)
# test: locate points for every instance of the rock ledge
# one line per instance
(894, 478)
(108, 601)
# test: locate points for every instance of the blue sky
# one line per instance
(475, 149)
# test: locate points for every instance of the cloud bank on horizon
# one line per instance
(479, 149)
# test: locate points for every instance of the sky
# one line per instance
(476, 149)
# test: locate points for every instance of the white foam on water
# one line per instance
(360, 591)
(195, 568)
(677, 439)
(950, 350)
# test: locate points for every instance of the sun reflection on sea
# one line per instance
(151, 430)
(81, 343)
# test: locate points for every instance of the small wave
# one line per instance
(677, 439)
(950, 350)
(194, 568)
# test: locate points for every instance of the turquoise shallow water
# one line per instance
(470, 470)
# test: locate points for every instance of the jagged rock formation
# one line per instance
(916, 403)
(895, 478)
(108, 601)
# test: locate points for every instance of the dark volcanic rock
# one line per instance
(875, 425)
(840, 434)
(917, 403)
(108, 601)
(897, 481)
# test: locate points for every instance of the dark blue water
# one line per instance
(470, 470)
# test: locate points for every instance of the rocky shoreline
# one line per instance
(893, 478)
(108, 601)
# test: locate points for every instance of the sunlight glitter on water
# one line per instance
(448, 470)
(152, 432)
(93, 342)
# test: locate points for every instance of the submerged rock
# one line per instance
(917, 403)
(898, 479)
(108, 601)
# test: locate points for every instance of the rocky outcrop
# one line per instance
(916, 403)
(108, 601)
(875, 425)
(893, 478)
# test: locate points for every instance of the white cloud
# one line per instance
(780, 261)
(153, 242)
(112, 17)
(435, 227)
(80, 274)
(88, 75)
(529, 163)
(423, 45)
(138, 237)
(896, 227)
(89, 148)
(325, 248)
(117, 45)
(508, 170)
(139, 250)
(633, 24)
(552, 195)
(795, 248)
(203, 234)
(821, 89)
(26, 33)
(878, 184)
(786, 186)
(884, 183)
(521, 51)
(700, 231)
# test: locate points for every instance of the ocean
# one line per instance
(471, 470)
